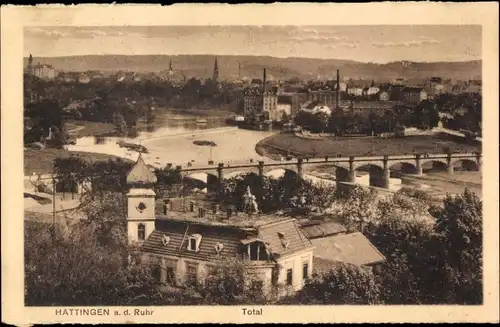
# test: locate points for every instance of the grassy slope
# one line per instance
(41, 161)
(281, 143)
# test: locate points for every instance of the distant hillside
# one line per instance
(251, 66)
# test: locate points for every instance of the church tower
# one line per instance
(140, 202)
(30, 64)
(215, 75)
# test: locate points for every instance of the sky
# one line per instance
(378, 44)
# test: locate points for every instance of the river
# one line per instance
(173, 143)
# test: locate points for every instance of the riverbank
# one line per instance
(42, 161)
(176, 146)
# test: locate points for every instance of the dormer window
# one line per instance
(255, 250)
(194, 243)
(284, 241)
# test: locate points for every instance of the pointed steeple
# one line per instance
(216, 71)
(141, 174)
(30, 64)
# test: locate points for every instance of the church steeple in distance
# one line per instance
(215, 75)
(170, 66)
(30, 63)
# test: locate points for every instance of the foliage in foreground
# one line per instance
(427, 263)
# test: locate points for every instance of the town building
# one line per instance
(185, 246)
(84, 79)
(329, 98)
(367, 107)
(259, 102)
(355, 91)
(413, 95)
(289, 102)
(384, 96)
(44, 71)
(315, 107)
(474, 86)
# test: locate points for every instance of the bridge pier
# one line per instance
(449, 165)
(261, 169)
(386, 174)
(418, 165)
(220, 177)
(299, 168)
(479, 161)
(351, 174)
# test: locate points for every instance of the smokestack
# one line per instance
(264, 81)
(239, 70)
(338, 90)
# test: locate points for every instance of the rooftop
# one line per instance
(141, 173)
(170, 237)
(352, 248)
(238, 219)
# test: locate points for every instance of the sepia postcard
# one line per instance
(308, 163)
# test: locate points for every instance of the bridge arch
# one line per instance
(375, 172)
(434, 165)
(363, 164)
(280, 172)
(285, 168)
(465, 164)
(201, 180)
(405, 167)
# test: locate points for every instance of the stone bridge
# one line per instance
(345, 169)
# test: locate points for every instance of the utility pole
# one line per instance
(53, 229)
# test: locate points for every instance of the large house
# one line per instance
(413, 95)
(184, 246)
(44, 71)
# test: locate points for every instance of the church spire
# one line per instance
(30, 64)
(216, 71)
(170, 66)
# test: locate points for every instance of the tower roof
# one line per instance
(140, 173)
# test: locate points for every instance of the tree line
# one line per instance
(464, 113)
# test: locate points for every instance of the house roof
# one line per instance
(322, 229)
(179, 232)
(233, 238)
(140, 173)
(413, 89)
(373, 104)
(296, 239)
(352, 248)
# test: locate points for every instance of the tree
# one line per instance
(315, 122)
(74, 269)
(106, 215)
(343, 284)
(459, 223)
(121, 125)
(357, 207)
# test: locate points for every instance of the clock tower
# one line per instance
(140, 202)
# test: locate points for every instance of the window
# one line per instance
(305, 271)
(194, 243)
(289, 276)
(171, 275)
(141, 232)
(156, 272)
(254, 251)
(192, 274)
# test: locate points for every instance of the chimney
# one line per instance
(338, 91)
(264, 81)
